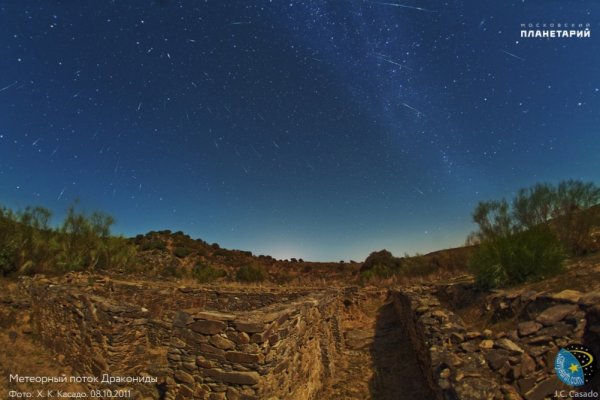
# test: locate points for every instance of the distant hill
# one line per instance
(176, 254)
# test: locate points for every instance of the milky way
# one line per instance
(316, 129)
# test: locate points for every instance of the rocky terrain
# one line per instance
(438, 340)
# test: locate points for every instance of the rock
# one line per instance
(557, 330)
(439, 314)
(445, 374)
(238, 337)
(590, 299)
(528, 327)
(237, 377)
(510, 393)
(181, 319)
(513, 335)
(213, 316)
(472, 335)
(486, 344)
(185, 392)
(538, 339)
(184, 377)
(505, 370)
(469, 347)
(204, 363)
(178, 343)
(554, 314)
(455, 360)
(567, 296)
(487, 333)
(456, 337)
(527, 364)
(233, 394)
(459, 376)
(444, 384)
(526, 384)
(549, 359)
(509, 345)
(421, 309)
(250, 327)
(208, 327)
(244, 358)
(496, 358)
(189, 366)
(537, 351)
(221, 343)
(515, 373)
(545, 388)
(208, 349)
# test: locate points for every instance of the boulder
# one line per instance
(509, 345)
(552, 315)
(528, 327)
(543, 389)
(590, 299)
(208, 327)
(184, 377)
(236, 377)
(567, 296)
(557, 330)
(496, 358)
(221, 343)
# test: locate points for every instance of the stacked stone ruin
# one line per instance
(204, 343)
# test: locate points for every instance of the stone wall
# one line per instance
(453, 371)
(529, 327)
(97, 336)
(281, 350)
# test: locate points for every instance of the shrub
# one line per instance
(378, 271)
(517, 257)
(527, 238)
(251, 273)
(28, 245)
(567, 208)
(173, 269)
(207, 273)
(182, 252)
(154, 245)
(383, 260)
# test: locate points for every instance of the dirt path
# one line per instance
(378, 362)
(397, 373)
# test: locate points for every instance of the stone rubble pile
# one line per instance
(514, 363)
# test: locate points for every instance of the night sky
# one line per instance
(316, 129)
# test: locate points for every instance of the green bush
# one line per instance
(378, 271)
(182, 252)
(251, 273)
(206, 273)
(517, 257)
(153, 245)
(528, 238)
(28, 245)
(567, 208)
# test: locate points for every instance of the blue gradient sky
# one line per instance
(317, 129)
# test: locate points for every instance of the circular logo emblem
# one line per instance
(575, 365)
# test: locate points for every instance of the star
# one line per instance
(573, 368)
